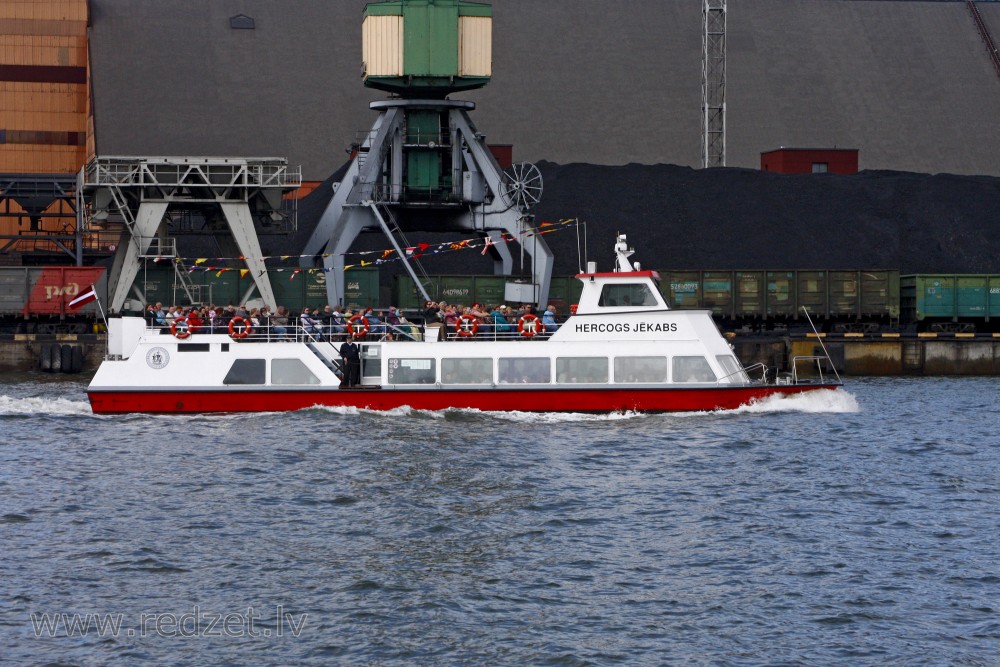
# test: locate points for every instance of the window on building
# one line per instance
(638, 294)
(246, 371)
(820, 167)
(241, 22)
(411, 371)
(291, 371)
(581, 370)
(640, 369)
(692, 369)
(467, 371)
(533, 370)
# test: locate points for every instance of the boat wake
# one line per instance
(12, 406)
(819, 401)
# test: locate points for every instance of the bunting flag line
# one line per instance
(387, 255)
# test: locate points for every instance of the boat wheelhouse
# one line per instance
(622, 349)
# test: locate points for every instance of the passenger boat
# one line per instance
(622, 349)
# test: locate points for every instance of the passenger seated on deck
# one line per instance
(392, 318)
(195, 323)
(308, 324)
(333, 321)
(500, 322)
(375, 326)
(549, 319)
(279, 323)
(450, 321)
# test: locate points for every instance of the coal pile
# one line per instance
(680, 218)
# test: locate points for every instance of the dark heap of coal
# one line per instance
(681, 218)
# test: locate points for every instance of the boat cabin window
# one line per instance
(580, 370)
(640, 369)
(467, 371)
(731, 367)
(693, 369)
(628, 295)
(531, 370)
(411, 371)
(246, 371)
(371, 361)
(291, 371)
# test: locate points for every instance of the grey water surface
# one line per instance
(858, 527)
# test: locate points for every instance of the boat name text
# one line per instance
(627, 327)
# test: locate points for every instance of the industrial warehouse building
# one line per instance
(584, 92)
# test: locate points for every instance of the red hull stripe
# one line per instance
(524, 400)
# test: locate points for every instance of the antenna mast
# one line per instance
(713, 84)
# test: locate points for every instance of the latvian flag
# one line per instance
(84, 298)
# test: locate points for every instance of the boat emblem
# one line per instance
(157, 358)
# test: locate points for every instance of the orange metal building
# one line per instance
(46, 125)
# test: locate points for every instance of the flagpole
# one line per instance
(99, 309)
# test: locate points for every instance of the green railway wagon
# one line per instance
(717, 292)
(681, 289)
(827, 294)
(160, 284)
(781, 294)
(811, 292)
(950, 297)
(564, 291)
(485, 289)
(879, 293)
(749, 299)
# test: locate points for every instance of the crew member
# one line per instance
(350, 353)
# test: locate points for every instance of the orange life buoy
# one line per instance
(466, 331)
(529, 325)
(183, 333)
(358, 326)
(239, 322)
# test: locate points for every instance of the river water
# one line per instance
(858, 527)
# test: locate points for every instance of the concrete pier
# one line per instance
(25, 352)
(892, 354)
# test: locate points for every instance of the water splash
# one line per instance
(819, 401)
(35, 406)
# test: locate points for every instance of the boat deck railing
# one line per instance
(812, 363)
(296, 333)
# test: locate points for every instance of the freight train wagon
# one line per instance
(488, 290)
(35, 299)
(292, 290)
(951, 302)
(862, 300)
